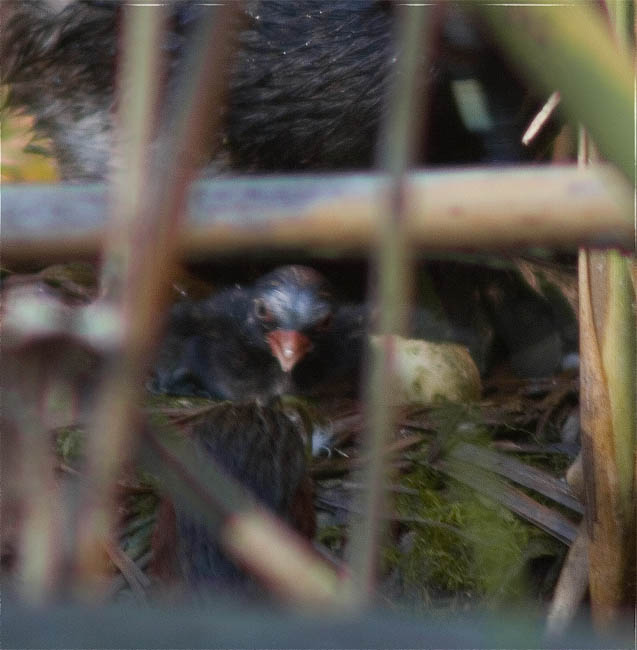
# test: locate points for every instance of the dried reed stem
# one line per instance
(495, 208)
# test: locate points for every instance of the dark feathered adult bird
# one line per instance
(306, 89)
(282, 334)
(259, 447)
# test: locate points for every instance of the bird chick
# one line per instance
(262, 449)
(247, 343)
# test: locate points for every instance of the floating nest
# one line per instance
(479, 511)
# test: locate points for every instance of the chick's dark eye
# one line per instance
(262, 312)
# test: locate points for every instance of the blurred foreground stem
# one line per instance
(110, 441)
(570, 49)
(397, 150)
(141, 247)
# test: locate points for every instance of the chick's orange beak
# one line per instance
(289, 347)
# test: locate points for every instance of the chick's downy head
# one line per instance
(292, 305)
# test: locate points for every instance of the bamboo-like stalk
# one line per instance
(608, 419)
(140, 255)
(609, 305)
(479, 208)
(393, 266)
(573, 51)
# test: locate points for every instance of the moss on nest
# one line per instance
(457, 547)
